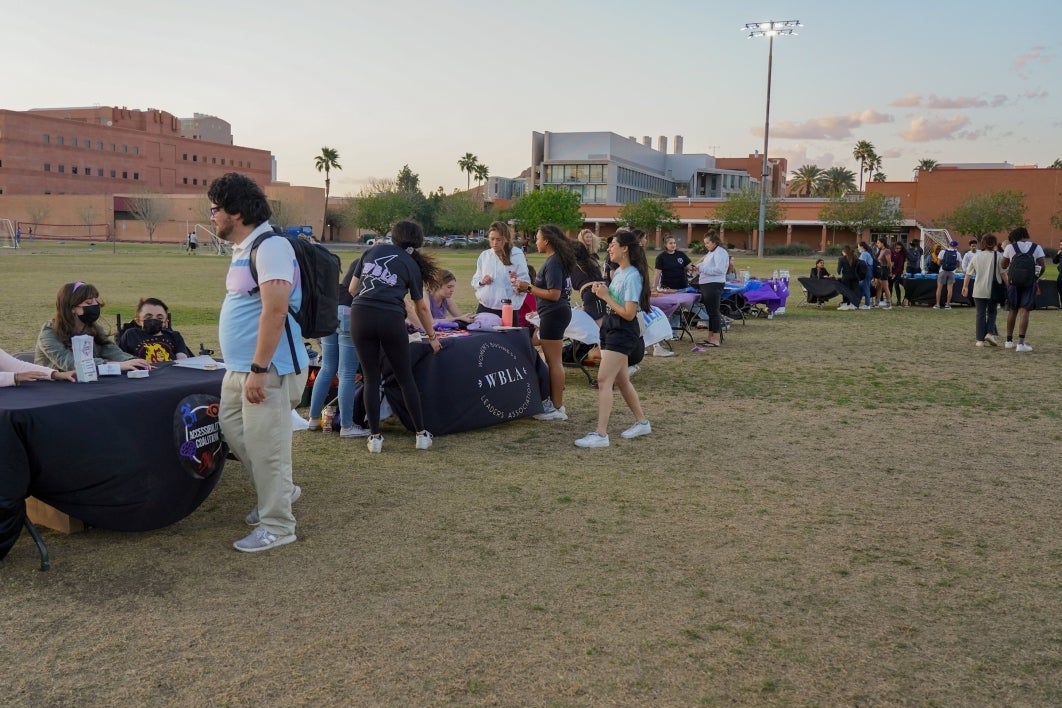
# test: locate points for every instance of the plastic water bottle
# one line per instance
(775, 276)
(507, 313)
(329, 417)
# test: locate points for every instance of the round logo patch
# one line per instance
(197, 435)
(505, 385)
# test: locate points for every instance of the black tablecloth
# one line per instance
(922, 291)
(103, 452)
(475, 381)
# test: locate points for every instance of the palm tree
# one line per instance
(1057, 164)
(806, 180)
(927, 164)
(864, 152)
(328, 159)
(482, 172)
(879, 177)
(468, 165)
(837, 182)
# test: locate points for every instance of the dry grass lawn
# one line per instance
(836, 508)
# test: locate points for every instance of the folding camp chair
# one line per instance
(818, 291)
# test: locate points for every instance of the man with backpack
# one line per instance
(264, 377)
(1023, 263)
(949, 263)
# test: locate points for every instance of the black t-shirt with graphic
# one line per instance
(551, 276)
(154, 348)
(672, 267)
(386, 273)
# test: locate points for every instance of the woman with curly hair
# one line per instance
(552, 287)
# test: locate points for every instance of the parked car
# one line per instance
(476, 241)
(434, 241)
(457, 242)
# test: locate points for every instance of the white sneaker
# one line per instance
(549, 412)
(884, 304)
(592, 440)
(423, 440)
(1009, 344)
(865, 307)
(936, 307)
(991, 340)
(660, 351)
(262, 540)
(632, 370)
(979, 344)
(375, 443)
(253, 519)
(315, 424)
(354, 431)
(1023, 347)
(637, 430)
(947, 307)
(842, 306)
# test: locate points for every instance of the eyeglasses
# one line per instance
(214, 210)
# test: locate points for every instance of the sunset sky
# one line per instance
(422, 82)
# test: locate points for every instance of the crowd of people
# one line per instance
(394, 287)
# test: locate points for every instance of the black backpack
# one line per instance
(949, 260)
(1022, 269)
(318, 313)
(861, 269)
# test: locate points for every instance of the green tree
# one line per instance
(837, 182)
(649, 214)
(864, 152)
(460, 213)
(994, 212)
(327, 161)
(741, 212)
(482, 172)
(1056, 165)
(873, 211)
(807, 180)
(547, 206)
(380, 205)
(468, 163)
(879, 177)
(407, 180)
(925, 165)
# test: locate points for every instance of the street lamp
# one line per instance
(770, 29)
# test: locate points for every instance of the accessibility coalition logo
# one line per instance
(505, 385)
(197, 434)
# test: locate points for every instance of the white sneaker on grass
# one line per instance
(262, 540)
(979, 343)
(1009, 344)
(990, 339)
(354, 431)
(549, 412)
(637, 430)
(375, 443)
(1023, 347)
(592, 440)
(253, 519)
(660, 351)
(423, 440)
(632, 370)
(865, 307)
(315, 424)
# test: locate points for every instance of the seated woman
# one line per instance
(819, 271)
(149, 336)
(15, 371)
(441, 301)
(77, 307)
(586, 273)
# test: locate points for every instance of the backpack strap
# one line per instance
(253, 258)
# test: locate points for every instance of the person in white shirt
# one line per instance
(496, 270)
(971, 251)
(711, 277)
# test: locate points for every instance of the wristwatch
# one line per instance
(256, 369)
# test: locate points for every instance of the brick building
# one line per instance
(108, 150)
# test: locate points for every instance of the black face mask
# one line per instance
(89, 314)
(152, 326)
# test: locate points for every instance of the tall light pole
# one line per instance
(769, 29)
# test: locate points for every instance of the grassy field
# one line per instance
(835, 508)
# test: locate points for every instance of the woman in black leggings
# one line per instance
(378, 321)
(711, 277)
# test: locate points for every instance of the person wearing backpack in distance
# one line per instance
(264, 379)
(949, 263)
(1023, 263)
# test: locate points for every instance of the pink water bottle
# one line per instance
(507, 313)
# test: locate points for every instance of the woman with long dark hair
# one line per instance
(379, 285)
(77, 309)
(846, 271)
(552, 287)
(496, 268)
(711, 278)
(625, 296)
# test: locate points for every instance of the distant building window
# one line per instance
(99, 145)
(112, 148)
(195, 158)
(62, 169)
(136, 149)
(73, 141)
(186, 180)
(47, 139)
(125, 175)
(248, 164)
(114, 174)
(125, 148)
(88, 171)
(136, 175)
(88, 144)
(47, 167)
(223, 161)
(241, 163)
(58, 139)
(184, 156)
(99, 171)
(195, 180)
(213, 161)
(73, 170)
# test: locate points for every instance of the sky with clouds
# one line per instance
(422, 82)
